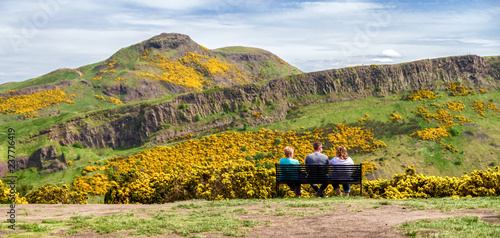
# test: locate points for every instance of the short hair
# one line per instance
(341, 152)
(288, 151)
(317, 145)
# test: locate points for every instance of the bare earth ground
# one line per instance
(341, 220)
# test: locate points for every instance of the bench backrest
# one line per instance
(318, 173)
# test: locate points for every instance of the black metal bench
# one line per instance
(318, 174)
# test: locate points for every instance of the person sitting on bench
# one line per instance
(293, 175)
(342, 158)
(318, 158)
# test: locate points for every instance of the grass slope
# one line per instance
(477, 142)
(52, 77)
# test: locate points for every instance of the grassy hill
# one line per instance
(158, 68)
(226, 96)
(476, 142)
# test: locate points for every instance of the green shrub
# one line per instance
(256, 102)
(78, 145)
(244, 108)
(226, 108)
(183, 106)
(197, 117)
(270, 102)
(454, 131)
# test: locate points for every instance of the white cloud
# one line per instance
(174, 5)
(383, 60)
(391, 53)
(309, 35)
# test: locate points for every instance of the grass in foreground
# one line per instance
(198, 218)
(468, 226)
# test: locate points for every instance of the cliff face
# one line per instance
(145, 123)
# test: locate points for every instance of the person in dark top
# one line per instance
(318, 158)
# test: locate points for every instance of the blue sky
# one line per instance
(39, 36)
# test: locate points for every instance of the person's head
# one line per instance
(288, 152)
(318, 146)
(341, 152)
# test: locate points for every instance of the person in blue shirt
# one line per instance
(295, 187)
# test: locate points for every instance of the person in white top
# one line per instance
(341, 159)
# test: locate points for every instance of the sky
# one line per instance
(39, 36)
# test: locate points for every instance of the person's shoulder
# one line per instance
(284, 160)
(349, 160)
(310, 156)
(334, 160)
(288, 161)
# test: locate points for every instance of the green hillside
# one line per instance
(157, 104)
(157, 68)
(476, 142)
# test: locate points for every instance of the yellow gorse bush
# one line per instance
(28, 104)
(443, 117)
(115, 100)
(434, 134)
(5, 195)
(493, 107)
(107, 72)
(455, 106)
(412, 185)
(421, 94)
(362, 119)
(111, 99)
(112, 64)
(458, 90)
(353, 138)
(191, 70)
(254, 153)
(98, 184)
(478, 106)
(395, 117)
(53, 195)
(97, 78)
(216, 149)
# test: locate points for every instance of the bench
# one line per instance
(318, 174)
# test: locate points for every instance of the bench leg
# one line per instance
(361, 189)
(277, 189)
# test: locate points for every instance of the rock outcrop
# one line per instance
(44, 159)
(151, 123)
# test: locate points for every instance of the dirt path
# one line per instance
(339, 220)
